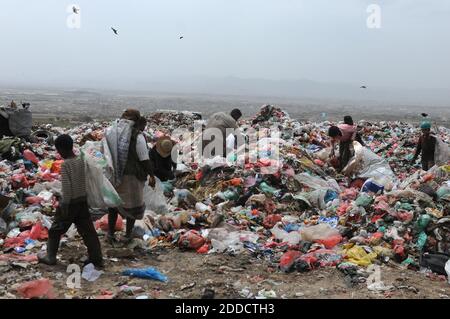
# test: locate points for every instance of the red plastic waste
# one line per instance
(204, 249)
(199, 176)
(56, 167)
(330, 242)
(38, 232)
(18, 241)
(19, 181)
(287, 261)
(102, 223)
(37, 289)
(191, 240)
(319, 162)
(33, 200)
(271, 220)
(29, 156)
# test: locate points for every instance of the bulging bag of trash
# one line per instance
(100, 191)
(154, 198)
(367, 164)
(20, 122)
(441, 152)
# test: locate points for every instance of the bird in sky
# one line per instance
(75, 10)
(424, 114)
(181, 37)
(114, 30)
(363, 87)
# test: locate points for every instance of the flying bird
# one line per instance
(363, 87)
(75, 10)
(181, 37)
(424, 114)
(115, 31)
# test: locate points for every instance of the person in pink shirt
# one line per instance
(345, 134)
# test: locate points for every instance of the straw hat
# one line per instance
(164, 146)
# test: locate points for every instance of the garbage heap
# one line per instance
(290, 207)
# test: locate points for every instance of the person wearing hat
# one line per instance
(160, 156)
(425, 146)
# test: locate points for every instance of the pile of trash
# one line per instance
(290, 207)
(172, 119)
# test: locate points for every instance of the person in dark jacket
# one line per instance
(162, 163)
(425, 146)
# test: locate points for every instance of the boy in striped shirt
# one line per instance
(73, 207)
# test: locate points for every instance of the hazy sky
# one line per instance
(321, 40)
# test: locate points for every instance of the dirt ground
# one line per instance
(190, 273)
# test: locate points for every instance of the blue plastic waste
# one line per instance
(370, 186)
(291, 227)
(145, 273)
(332, 221)
(330, 196)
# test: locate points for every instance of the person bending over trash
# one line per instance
(425, 146)
(137, 167)
(73, 207)
(348, 120)
(221, 121)
(160, 156)
(345, 135)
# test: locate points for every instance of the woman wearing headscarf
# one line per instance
(136, 168)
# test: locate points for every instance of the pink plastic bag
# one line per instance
(37, 289)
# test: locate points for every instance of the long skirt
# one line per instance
(131, 191)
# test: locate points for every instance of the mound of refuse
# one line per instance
(298, 215)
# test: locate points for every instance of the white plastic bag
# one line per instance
(154, 198)
(315, 183)
(441, 152)
(230, 142)
(100, 191)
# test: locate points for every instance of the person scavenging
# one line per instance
(163, 164)
(222, 122)
(137, 168)
(73, 207)
(425, 147)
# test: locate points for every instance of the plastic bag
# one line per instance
(191, 240)
(154, 198)
(36, 289)
(145, 273)
(100, 191)
(318, 232)
(102, 223)
(441, 152)
(367, 164)
(314, 182)
(230, 141)
(90, 273)
(119, 133)
(292, 238)
(359, 256)
(287, 261)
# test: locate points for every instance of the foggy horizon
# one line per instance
(289, 48)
